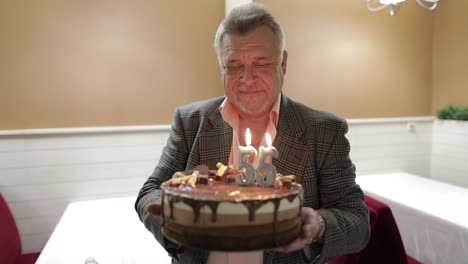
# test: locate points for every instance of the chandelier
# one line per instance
(394, 5)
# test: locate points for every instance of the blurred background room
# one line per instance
(88, 90)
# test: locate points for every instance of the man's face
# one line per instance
(252, 71)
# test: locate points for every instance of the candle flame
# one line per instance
(268, 139)
(248, 139)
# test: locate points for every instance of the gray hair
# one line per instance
(245, 18)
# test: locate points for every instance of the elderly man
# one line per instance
(251, 51)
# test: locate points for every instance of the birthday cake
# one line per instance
(206, 209)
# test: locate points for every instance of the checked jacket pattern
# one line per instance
(311, 145)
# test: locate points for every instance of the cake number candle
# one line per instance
(244, 152)
(267, 172)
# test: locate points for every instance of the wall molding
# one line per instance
(162, 128)
(84, 130)
(362, 121)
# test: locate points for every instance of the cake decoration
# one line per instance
(216, 213)
(231, 208)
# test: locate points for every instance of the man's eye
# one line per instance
(263, 65)
(233, 69)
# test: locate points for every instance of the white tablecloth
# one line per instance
(432, 216)
(108, 230)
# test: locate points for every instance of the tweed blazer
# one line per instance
(311, 145)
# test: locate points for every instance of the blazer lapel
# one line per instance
(288, 141)
(215, 140)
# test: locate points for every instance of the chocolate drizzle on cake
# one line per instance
(275, 217)
(214, 208)
(252, 207)
(196, 205)
(248, 230)
(171, 206)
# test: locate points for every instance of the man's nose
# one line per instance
(248, 74)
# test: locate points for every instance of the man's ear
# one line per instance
(284, 63)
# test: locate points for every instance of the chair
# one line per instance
(10, 242)
(385, 245)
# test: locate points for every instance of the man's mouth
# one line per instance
(251, 91)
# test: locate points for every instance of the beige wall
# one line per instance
(99, 63)
(450, 69)
(103, 62)
(355, 63)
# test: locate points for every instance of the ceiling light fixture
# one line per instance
(394, 5)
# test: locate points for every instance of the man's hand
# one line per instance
(154, 208)
(310, 229)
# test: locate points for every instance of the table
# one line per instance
(108, 230)
(432, 216)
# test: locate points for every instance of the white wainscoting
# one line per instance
(450, 152)
(42, 170)
(391, 144)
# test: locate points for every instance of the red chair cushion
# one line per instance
(412, 260)
(10, 243)
(28, 258)
(385, 245)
